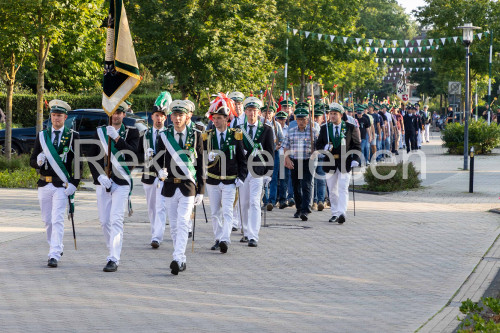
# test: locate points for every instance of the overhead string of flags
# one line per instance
(385, 46)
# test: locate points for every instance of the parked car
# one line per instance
(84, 121)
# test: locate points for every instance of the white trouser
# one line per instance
(157, 210)
(53, 207)
(250, 194)
(236, 214)
(427, 132)
(338, 187)
(179, 210)
(419, 138)
(111, 206)
(222, 221)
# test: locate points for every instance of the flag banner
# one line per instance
(332, 37)
(382, 42)
(319, 36)
(121, 71)
(295, 31)
(307, 33)
(431, 41)
(357, 40)
(455, 39)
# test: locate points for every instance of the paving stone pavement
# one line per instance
(388, 269)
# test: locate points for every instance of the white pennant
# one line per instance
(376, 50)
(370, 41)
(455, 39)
(367, 49)
(406, 42)
(295, 31)
(443, 40)
(479, 35)
(394, 42)
(422, 59)
(385, 49)
(428, 47)
(307, 33)
(437, 47)
(431, 41)
(376, 60)
(332, 37)
(345, 39)
(419, 49)
(411, 69)
(417, 69)
(419, 41)
(411, 49)
(357, 40)
(392, 60)
(430, 68)
(382, 42)
(359, 49)
(407, 59)
(384, 60)
(319, 36)
(399, 60)
(393, 50)
(430, 59)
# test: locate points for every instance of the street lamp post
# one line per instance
(468, 31)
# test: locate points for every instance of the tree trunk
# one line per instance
(40, 85)
(8, 111)
(440, 104)
(302, 85)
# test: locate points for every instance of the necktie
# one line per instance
(336, 131)
(56, 139)
(221, 140)
(180, 140)
(157, 140)
(250, 131)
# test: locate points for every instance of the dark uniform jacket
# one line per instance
(187, 188)
(67, 142)
(409, 123)
(265, 137)
(235, 160)
(352, 143)
(129, 141)
(150, 172)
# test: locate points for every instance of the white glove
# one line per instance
(238, 182)
(267, 180)
(328, 147)
(104, 181)
(149, 153)
(112, 132)
(69, 190)
(212, 156)
(40, 159)
(354, 164)
(163, 174)
(198, 199)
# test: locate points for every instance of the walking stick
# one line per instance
(204, 212)
(72, 221)
(353, 196)
(194, 227)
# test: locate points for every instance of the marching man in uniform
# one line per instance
(183, 177)
(259, 150)
(53, 157)
(113, 193)
(226, 171)
(342, 143)
(148, 149)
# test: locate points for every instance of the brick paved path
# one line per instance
(389, 269)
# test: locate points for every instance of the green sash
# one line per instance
(182, 160)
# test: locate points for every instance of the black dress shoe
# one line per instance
(215, 246)
(283, 205)
(190, 234)
(223, 247)
(291, 203)
(303, 216)
(296, 215)
(244, 239)
(52, 263)
(269, 207)
(174, 267)
(182, 267)
(234, 229)
(333, 219)
(111, 266)
(155, 244)
(341, 219)
(252, 243)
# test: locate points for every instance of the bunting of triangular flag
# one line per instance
(419, 41)
(332, 37)
(382, 42)
(406, 42)
(295, 31)
(345, 39)
(394, 42)
(443, 40)
(385, 49)
(455, 39)
(319, 36)
(370, 41)
(357, 40)
(479, 35)
(307, 33)
(431, 40)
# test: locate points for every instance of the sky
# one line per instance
(410, 5)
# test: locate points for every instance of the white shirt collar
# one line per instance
(60, 130)
(219, 132)
(183, 132)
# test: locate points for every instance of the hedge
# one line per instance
(482, 137)
(398, 182)
(24, 105)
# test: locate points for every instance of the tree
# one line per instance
(12, 53)
(46, 22)
(220, 45)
